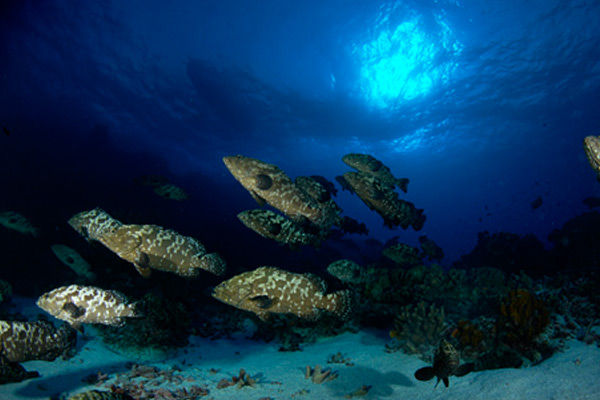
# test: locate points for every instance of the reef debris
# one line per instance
(268, 290)
(243, 379)
(318, 375)
(100, 395)
(360, 392)
(78, 304)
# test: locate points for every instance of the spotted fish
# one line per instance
(446, 363)
(95, 224)
(591, 145)
(268, 290)
(40, 340)
(370, 165)
(77, 305)
(274, 226)
(17, 222)
(73, 260)
(268, 184)
(148, 246)
(384, 201)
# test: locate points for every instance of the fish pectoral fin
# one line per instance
(261, 202)
(425, 373)
(262, 301)
(73, 310)
(464, 369)
(141, 265)
(77, 326)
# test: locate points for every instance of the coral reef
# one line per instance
(164, 324)
(98, 395)
(507, 251)
(318, 375)
(577, 243)
(417, 329)
(523, 318)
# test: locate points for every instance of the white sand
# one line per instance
(573, 374)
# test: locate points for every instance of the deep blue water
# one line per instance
(483, 105)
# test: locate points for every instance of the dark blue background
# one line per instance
(97, 93)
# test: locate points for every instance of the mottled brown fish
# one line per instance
(17, 222)
(95, 224)
(268, 184)
(268, 290)
(40, 340)
(446, 363)
(11, 372)
(149, 246)
(274, 226)
(431, 250)
(370, 165)
(591, 145)
(385, 201)
(171, 192)
(78, 305)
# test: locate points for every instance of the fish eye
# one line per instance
(263, 182)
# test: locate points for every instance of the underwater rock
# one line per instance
(591, 145)
(267, 290)
(78, 304)
(445, 364)
(17, 222)
(148, 246)
(345, 270)
(507, 251)
(403, 254)
(385, 201)
(40, 340)
(271, 225)
(430, 249)
(372, 166)
(267, 183)
(73, 260)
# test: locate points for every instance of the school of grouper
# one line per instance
(309, 213)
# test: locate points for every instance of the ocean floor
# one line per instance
(572, 374)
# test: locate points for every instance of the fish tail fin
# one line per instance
(402, 184)
(340, 304)
(213, 263)
(134, 310)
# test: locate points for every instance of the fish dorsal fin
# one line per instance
(261, 202)
(73, 310)
(317, 281)
(263, 301)
(464, 369)
(425, 373)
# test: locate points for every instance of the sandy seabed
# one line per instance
(571, 374)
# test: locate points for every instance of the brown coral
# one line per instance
(523, 317)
